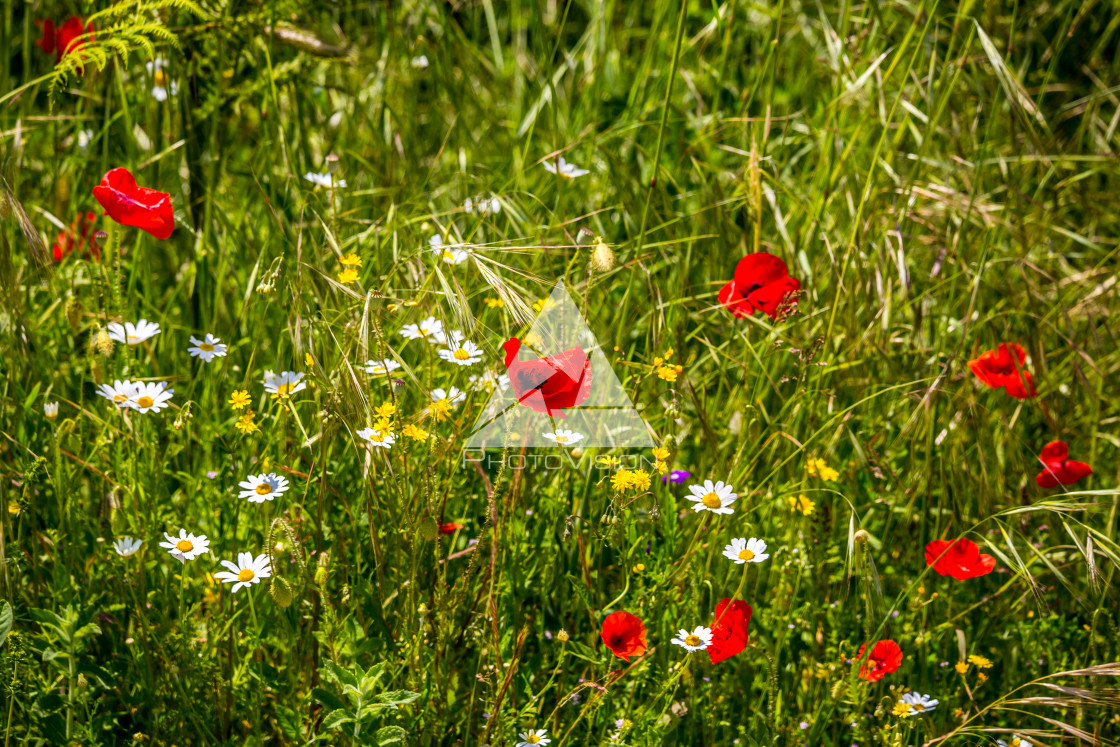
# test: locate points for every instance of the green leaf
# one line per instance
(581, 651)
(334, 672)
(337, 718)
(289, 723)
(5, 622)
(388, 735)
(396, 698)
(327, 698)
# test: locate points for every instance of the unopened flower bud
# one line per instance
(429, 530)
(281, 592)
(562, 635)
(602, 258)
(861, 537)
(103, 342)
(73, 312)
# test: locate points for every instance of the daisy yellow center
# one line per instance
(917, 707)
(562, 439)
(207, 347)
(160, 78)
(283, 390)
(120, 397)
(461, 354)
(264, 489)
(746, 554)
(145, 401)
(448, 255)
(692, 640)
(184, 545)
(533, 739)
(424, 330)
(711, 500)
(245, 574)
(132, 337)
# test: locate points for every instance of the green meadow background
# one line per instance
(941, 177)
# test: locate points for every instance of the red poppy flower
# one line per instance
(960, 559)
(729, 629)
(1002, 367)
(450, 528)
(549, 385)
(63, 39)
(80, 235)
(1060, 469)
(761, 283)
(885, 657)
(624, 634)
(131, 205)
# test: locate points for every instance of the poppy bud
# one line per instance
(429, 530)
(584, 235)
(602, 258)
(321, 576)
(332, 163)
(422, 609)
(861, 537)
(281, 592)
(562, 635)
(103, 342)
(73, 312)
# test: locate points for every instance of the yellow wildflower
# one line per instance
(639, 479)
(901, 708)
(351, 260)
(661, 467)
(494, 303)
(386, 410)
(961, 667)
(621, 480)
(668, 373)
(658, 361)
(980, 661)
(308, 361)
(980, 676)
(819, 468)
(239, 399)
(383, 425)
(660, 453)
(347, 276)
(440, 409)
(246, 423)
(802, 503)
(416, 433)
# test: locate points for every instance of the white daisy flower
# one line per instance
(85, 137)
(381, 367)
(126, 546)
(564, 438)
(698, 640)
(379, 439)
(50, 409)
(453, 396)
(262, 487)
(323, 180)
(483, 205)
(420, 62)
(284, 385)
(461, 352)
(565, 169)
(207, 349)
(150, 395)
(743, 550)
(162, 85)
(716, 497)
(533, 737)
(133, 334)
(246, 571)
(1016, 741)
(186, 546)
(430, 329)
(490, 381)
(917, 703)
(453, 256)
(119, 393)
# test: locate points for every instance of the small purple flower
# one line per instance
(792, 626)
(211, 474)
(548, 634)
(676, 476)
(944, 664)
(804, 724)
(618, 723)
(894, 613)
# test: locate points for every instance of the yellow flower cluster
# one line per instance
(350, 264)
(661, 457)
(415, 432)
(630, 479)
(819, 468)
(246, 424)
(665, 370)
(802, 503)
